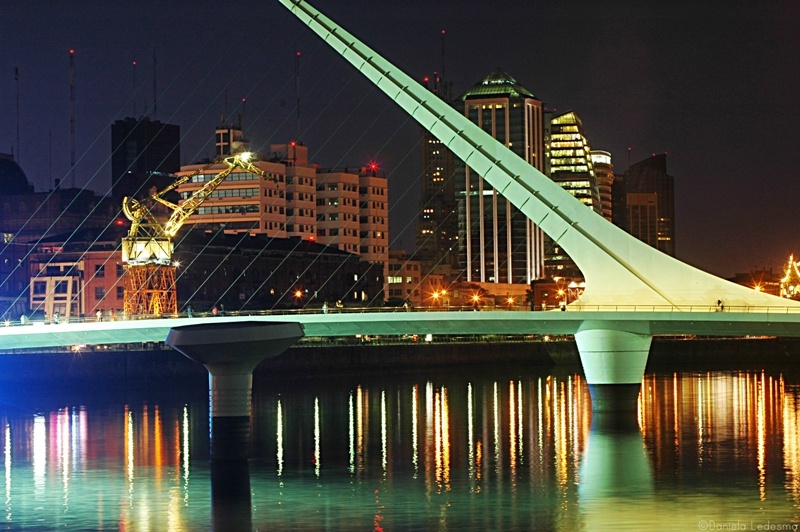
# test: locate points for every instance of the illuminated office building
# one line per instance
(570, 164)
(497, 243)
(604, 175)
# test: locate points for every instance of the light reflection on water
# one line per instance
(487, 451)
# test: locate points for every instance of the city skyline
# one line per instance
(656, 79)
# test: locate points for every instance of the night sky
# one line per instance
(712, 84)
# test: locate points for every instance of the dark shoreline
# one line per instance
(666, 354)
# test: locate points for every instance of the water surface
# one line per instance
(482, 449)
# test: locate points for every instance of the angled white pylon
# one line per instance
(619, 269)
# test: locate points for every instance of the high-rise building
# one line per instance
(650, 198)
(570, 160)
(437, 228)
(604, 175)
(144, 152)
(569, 163)
(497, 243)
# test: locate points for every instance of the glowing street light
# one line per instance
(476, 301)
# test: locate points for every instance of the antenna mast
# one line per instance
(16, 78)
(155, 95)
(297, 90)
(72, 114)
(134, 89)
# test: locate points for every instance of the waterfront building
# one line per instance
(409, 283)
(144, 154)
(342, 208)
(300, 189)
(338, 209)
(242, 203)
(497, 243)
(77, 274)
(373, 219)
(27, 217)
(762, 280)
(261, 272)
(81, 273)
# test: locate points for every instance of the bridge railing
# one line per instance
(768, 310)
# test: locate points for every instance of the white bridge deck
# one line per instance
(669, 321)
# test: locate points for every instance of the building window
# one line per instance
(99, 270)
(120, 292)
(99, 292)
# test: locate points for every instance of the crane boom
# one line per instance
(147, 250)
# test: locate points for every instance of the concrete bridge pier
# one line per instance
(613, 362)
(230, 352)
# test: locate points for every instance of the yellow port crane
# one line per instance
(149, 280)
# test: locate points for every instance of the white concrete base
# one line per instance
(613, 357)
(613, 364)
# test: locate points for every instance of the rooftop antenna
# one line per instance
(241, 115)
(16, 79)
(297, 90)
(134, 89)
(443, 89)
(155, 94)
(445, 86)
(72, 114)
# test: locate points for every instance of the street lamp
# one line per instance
(435, 297)
(476, 300)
